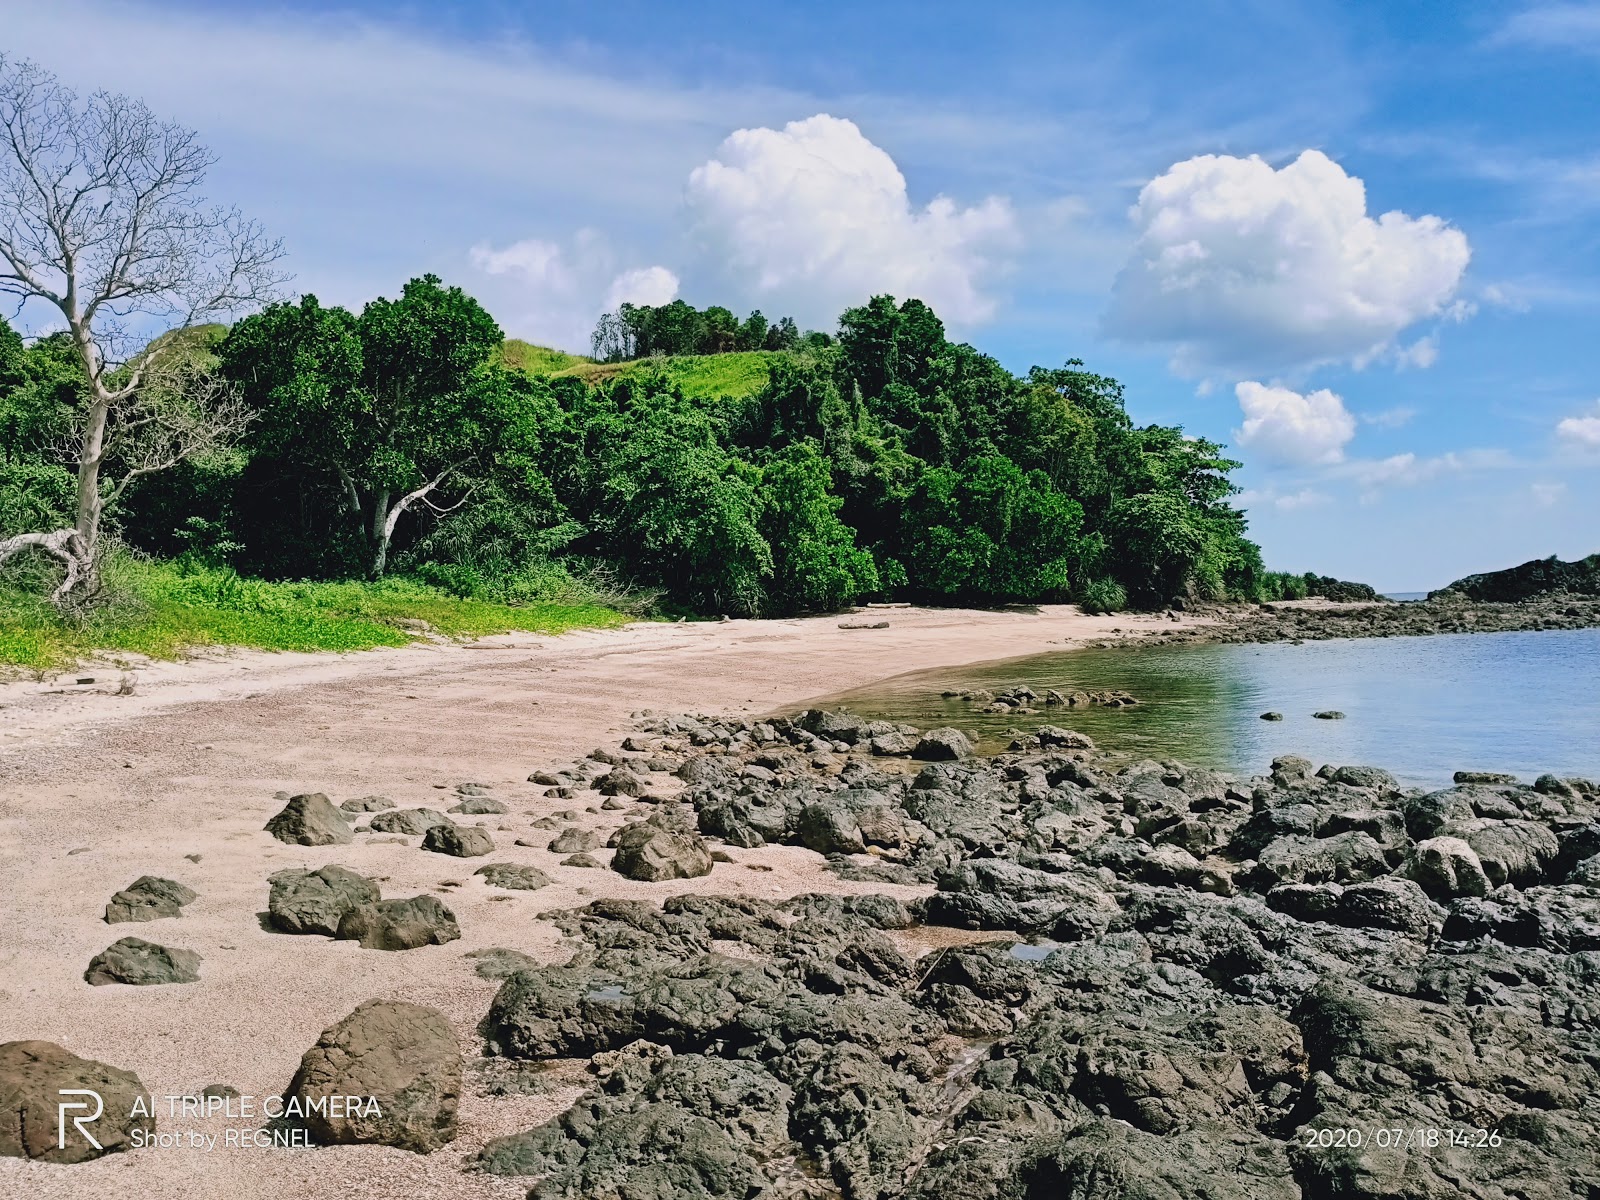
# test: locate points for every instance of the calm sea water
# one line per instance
(1421, 707)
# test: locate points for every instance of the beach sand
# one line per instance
(178, 778)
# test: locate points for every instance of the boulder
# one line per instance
(409, 821)
(1514, 852)
(1447, 867)
(316, 901)
(829, 827)
(363, 804)
(463, 841)
(653, 850)
(400, 924)
(148, 898)
(310, 820)
(514, 876)
(620, 781)
(573, 840)
(942, 745)
(35, 1081)
(477, 806)
(133, 960)
(401, 1061)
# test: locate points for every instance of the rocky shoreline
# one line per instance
(1443, 612)
(1121, 979)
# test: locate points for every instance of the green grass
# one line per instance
(163, 611)
(738, 375)
(539, 360)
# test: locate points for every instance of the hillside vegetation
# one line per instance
(412, 440)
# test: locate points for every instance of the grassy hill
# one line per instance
(738, 375)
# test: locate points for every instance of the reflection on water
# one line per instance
(1422, 707)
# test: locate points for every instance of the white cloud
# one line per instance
(553, 293)
(1389, 418)
(817, 217)
(1410, 469)
(1581, 433)
(1546, 495)
(1238, 265)
(1283, 501)
(1553, 27)
(1287, 427)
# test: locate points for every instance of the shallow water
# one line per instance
(1421, 707)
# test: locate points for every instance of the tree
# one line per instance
(101, 220)
(402, 398)
(816, 563)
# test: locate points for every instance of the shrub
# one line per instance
(1104, 596)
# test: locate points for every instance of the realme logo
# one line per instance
(65, 1106)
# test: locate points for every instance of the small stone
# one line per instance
(478, 806)
(367, 804)
(400, 924)
(1272, 716)
(582, 860)
(148, 898)
(513, 876)
(1329, 714)
(410, 821)
(573, 840)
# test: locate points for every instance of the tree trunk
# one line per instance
(382, 530)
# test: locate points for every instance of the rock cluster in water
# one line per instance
(1156, 981)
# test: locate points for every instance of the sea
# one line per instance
(1524, 703)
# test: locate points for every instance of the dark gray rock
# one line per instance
(402, 1059)
(573, 840)
(35, 1079)
(148, 898)
(409, 821)
(462, 841)
(310, 820)
(361, 804)
(316, 901)
(133, 960)
(478, 806)
(942, 745)
(400, 924)
(654, 850)
(514, 876)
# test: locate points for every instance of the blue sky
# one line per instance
(1358, 242)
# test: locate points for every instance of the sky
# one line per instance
(1359, 243)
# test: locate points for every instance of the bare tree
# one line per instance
(101, 219)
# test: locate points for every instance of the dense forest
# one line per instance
(882, 461)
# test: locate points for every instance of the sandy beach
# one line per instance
(177, 779)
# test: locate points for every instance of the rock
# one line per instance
(1514, 852)
(316, 901)
(582, 860)
(1055, 735)
(1391, 903)
(620, 781)
(399, 924)
(1288, 770)
(463, 841)
(1370, 778)
(514, 876)
(942, 745)
(363, 804)
(409, 821)
(829, 827)
(36, 1079)
(133, 960)
(1586, 873)
(547, 779)
(573, 840)
(1485, 777)
(1272, 716)
(1447, 867)
(498, 963)
(1329, 714)
(148, 898)
(403, 1062)
(890, 745)
(310, 820)
(651, 851)
(478, 806)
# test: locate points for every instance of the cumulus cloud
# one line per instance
(817, 217)
(1581, 433)
(557, 292)
(1287, 427)
(1283, 501)
(1239, 265)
